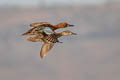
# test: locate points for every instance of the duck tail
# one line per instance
(27, 33)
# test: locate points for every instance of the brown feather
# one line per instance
(46, 47)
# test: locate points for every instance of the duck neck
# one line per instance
(59, 26)
(53, 28)
(59, 35)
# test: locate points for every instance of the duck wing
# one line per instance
(36, 38)
(30, 32)
(34, 31)
(45, 48)
(41, 24)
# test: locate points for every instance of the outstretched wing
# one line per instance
(45, 48)
(36, 38)
(41, 24)
(30, 32)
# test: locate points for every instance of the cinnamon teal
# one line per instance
(43, 25)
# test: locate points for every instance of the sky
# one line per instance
(50, 2)
(93, 54)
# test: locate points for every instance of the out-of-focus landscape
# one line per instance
(93, 54)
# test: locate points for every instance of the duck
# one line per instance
(48, 40)
(43, 25)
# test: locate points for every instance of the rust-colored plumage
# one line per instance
(43, 25)
(52, 27)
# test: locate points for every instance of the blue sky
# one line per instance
(49, 2)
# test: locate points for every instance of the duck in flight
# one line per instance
(42, 25)
(49, 40)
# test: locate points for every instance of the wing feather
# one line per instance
(41, 24)
(36, 38)
(46, 47)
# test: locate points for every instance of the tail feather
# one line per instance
(27, 33)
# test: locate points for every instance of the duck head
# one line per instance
(64, 24)
(67, 32)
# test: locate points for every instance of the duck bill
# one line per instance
(74, 33)
(70, 25)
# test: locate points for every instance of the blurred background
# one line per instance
(94, 54)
